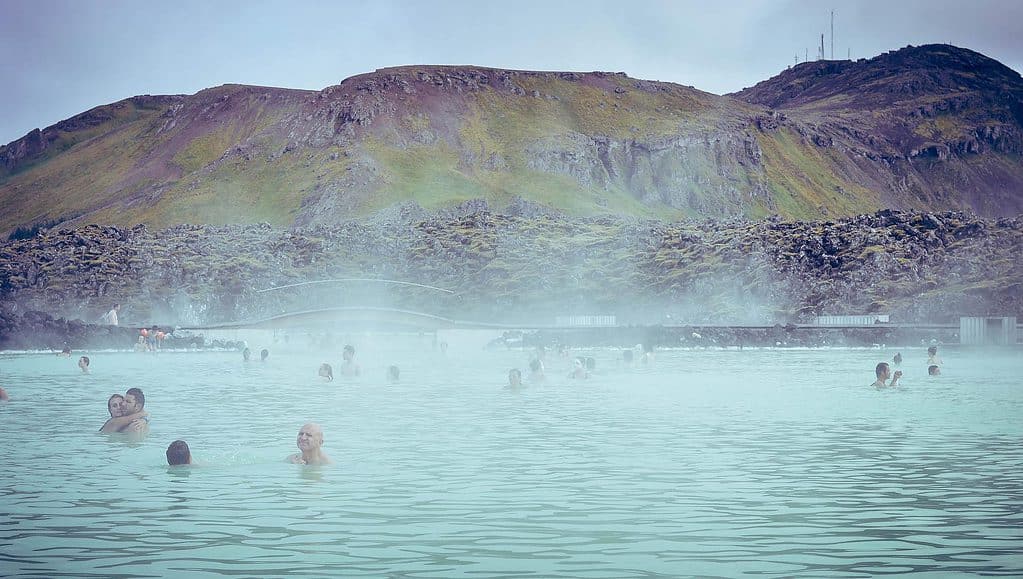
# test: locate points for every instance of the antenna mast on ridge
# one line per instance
(832, 35)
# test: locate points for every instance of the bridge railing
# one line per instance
(326, 294)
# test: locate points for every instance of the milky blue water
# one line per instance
(708, 463)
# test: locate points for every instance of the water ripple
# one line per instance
(696, 467)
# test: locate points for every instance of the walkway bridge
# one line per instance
(357, 318)
(358, 304)
(376, 305)
(394, 319)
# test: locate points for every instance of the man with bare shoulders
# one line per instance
(110, 318)
(135, 402)
(579, 369)
(349, 367)
(310, 439)
(884, 372)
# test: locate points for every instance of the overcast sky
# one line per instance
(63, 57)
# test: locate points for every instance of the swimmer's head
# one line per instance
(83, 363)
(881, 370)
(115, 405)
(310, 437)
(264, 354)
(178, 453)
(66, 351)
(326, 371)
(932, 350)
(535, 365)
(514, 377)
(393, 373)
(933, 370)
(348, 353)
(246, 354)
(134, 400)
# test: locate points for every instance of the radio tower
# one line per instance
(832, 35)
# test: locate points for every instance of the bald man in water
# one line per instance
(310, 439)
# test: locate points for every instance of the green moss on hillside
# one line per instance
(204, 150)
(116, 115)
(430, 175)
(89, 178)
(260, 189)
(805, 178)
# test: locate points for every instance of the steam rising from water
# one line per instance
(721, 462)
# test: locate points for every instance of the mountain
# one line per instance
(927, 128)
(947, 122)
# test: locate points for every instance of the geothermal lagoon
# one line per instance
(707, 462)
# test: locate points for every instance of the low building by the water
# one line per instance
(601, 321)
(863, 320)
(988, 331)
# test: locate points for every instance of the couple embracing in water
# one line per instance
(126, 413)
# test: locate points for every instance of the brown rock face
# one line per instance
(933, 128)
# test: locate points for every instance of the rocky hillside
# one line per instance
(914, 266)
(929, 128)
(947, 121)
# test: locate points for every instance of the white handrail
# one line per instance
(396, 282)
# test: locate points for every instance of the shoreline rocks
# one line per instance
(916, 267)
(778, 336)
(38, 331)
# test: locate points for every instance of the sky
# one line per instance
(63, 57)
